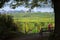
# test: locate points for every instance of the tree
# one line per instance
(2, 2)
(16, 3)
(7, 27)
(56, 33)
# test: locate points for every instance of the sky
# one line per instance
(36, 9)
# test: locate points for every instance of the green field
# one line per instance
(32, 22)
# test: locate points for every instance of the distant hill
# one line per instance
(27, 14)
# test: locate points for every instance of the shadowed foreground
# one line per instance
(33, 37)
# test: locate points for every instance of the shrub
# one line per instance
(7, 26)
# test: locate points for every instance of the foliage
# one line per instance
(33, 4)
(7, 27)
(2, 2)
(32, 22)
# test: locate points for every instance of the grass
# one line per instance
(35, 19)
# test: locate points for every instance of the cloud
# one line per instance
(47, 9)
